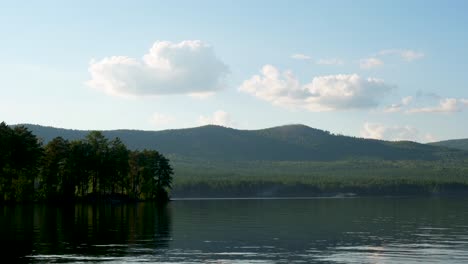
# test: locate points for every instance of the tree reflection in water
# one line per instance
(86, 230)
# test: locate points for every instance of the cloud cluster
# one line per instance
(405, 101)
(445, 105)
(300, 56)
(168, 68)
(376, 60)
(201, 95)
(405, 54)
(384, 132)
(331, 61)
(323, 93)
(370, 63)
(220, 118)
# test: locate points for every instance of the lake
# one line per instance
(326, 230)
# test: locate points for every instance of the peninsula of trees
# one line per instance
(91, 169)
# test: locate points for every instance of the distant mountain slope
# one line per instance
(454, 143)
(286, 143)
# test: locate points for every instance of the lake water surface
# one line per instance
(346, 230)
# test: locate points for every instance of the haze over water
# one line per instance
(351, 230)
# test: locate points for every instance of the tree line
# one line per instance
(91, 169)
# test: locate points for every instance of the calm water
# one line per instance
(358, 230)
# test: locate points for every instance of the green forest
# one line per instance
(362, 177)
(91, 169)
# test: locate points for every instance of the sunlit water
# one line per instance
(347, 230)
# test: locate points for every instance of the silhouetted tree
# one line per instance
(55, 173)
(150, 175)
(119, 165)
(163, 176)
(98, 159)
(5, 153)
(80, 164)
(20, 153)
(135, 171)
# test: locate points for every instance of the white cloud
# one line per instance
(405, 54)
(332, 61)
(201, 95)
(323, 93)
(410, 55)
(392, 108)
(190, 66)
(405, 101)
(384, 132)
(299, 56)
(220, 118)
(161, 120)
(370, 63)
(447, 105)
(430, 138)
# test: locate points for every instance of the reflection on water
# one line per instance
(358, 230)
(81, 232)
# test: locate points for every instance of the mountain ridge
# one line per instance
(461, 143)
(288, 142)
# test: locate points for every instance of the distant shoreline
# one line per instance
(313, 197)
(247, 189)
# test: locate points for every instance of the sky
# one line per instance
(394, 70)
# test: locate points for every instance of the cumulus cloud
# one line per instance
(220, 118)
(332, 61)
(384, 132)
(323, 93)
(370, 63)
(405, 54)
(190, 66)
(161, 120)
(300, 56)
(405, 101)
(447, 105)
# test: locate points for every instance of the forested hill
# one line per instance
(454, 143)
(283, 143)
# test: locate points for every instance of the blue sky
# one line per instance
(391, 70)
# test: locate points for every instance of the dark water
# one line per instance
(357, 230)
